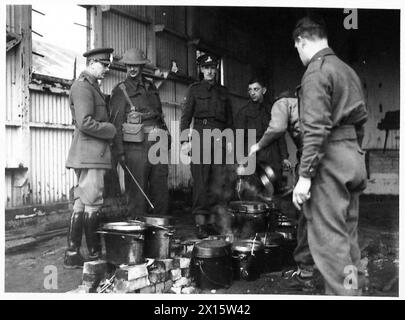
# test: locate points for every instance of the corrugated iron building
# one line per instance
(38, 120)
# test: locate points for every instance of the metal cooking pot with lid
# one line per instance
(254, 207)
(249, 217)
(211, 264)
(212, 249)
(124, 242)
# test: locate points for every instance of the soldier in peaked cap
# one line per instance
(135, 103)
(89, 155)
(208, 103)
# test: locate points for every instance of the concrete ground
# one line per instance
(28, 270)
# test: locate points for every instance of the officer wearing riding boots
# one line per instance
(208, 103)
(136, 112)
(89, 155)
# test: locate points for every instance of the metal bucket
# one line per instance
(247, 259)
(211, 264)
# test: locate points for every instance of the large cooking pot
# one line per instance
(124, 242)
(249, 217)
(211, 264)
(247, 259)
(158, 242)
(158, 236)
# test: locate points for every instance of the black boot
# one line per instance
(91, 222)
(73, 258)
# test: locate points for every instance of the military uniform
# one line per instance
(257, 116)
(151, 177)
(90, 156)
(333, 112)
(210, 107)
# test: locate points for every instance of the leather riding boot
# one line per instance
(91, 222)
(73, 258)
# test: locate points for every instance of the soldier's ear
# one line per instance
(264, 90)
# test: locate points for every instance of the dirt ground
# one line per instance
(27, 271)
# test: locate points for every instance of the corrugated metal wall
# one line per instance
(51, 181)
(51, 135)
(122, 33)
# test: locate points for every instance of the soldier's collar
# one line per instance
(324, 52)
(208, 84)
(90, 78)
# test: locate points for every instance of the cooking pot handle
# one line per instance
(214, 282)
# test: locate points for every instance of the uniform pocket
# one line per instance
(94, 150)
(202, 105)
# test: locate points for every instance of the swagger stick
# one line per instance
(137, 184)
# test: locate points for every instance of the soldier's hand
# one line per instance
(301, 192)
(240, 171)
(254, 149)
(286, 164)
(185, 148)
(122, 160)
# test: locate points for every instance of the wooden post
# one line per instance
(95, 36)
(151, 36)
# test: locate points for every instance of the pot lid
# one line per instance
(246, 245)
(211, 248)
(158, 220)
(124, 226)
(249, 206)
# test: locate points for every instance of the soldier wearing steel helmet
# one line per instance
(136, 101)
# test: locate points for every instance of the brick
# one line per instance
(148, 289)
(166, 264)
(176, 262)
(95, 267)
(176, 290)
(188, 290)
(185, 272)
(175, 274)
(91, 277)
(130, 273)
(184, 262)
(160, 287)
(156, 276)
(123, 286)
(182, 282)
(80, 289)
(168, 285)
